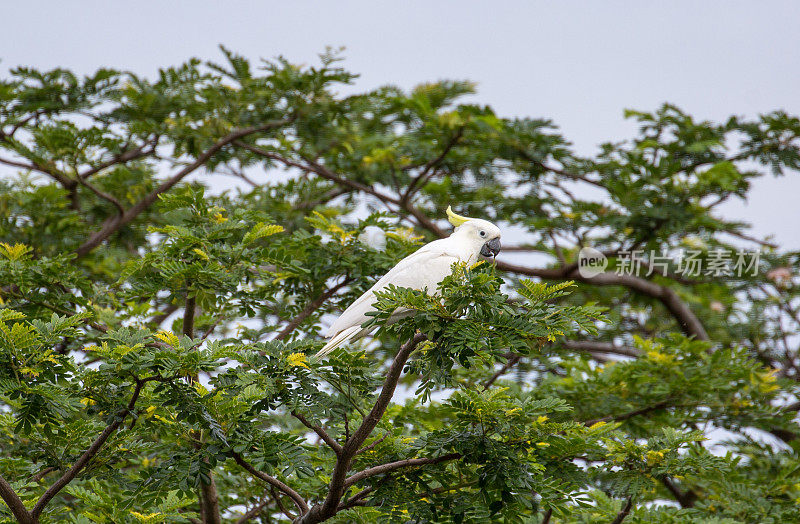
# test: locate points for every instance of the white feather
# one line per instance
(425, 268)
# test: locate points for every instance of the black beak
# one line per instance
(491, 248)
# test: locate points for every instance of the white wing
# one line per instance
(424, 268)
(419, 270)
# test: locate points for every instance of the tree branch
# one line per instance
(427, 169)
(209, 497)
(372, 445)
(14, 503)
(255, 510)
(188, 316)
(280, 504)
(624, 513)
(102, 194)
(355, 500)
(686, 500)
(329, 506)
(62, 179)
(41, 474)
(125, 156)
(310, 308)
(272, 481)
(111, 225)
(318, 169)
(593, 346)
(335, 446)
(630, 414)
(689, 323)
(510, 363)
(392, 466)
(88, 455)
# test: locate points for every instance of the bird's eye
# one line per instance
(482, 233)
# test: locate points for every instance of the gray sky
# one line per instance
(577, 63)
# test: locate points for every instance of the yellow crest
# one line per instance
(454, 219)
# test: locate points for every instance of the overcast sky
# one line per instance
(577, 63)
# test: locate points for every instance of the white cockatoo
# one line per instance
(472, 240)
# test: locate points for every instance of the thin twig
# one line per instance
(502, 371)
(272, 481)
(372, 445)
(330, 441)
(89, 454)
(630, 414)
(111, 225)
(310, 308)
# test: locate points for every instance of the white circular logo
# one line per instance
(591, 262)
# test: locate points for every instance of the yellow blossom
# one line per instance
(661, 358)
(298, 360)
(15, 252)
(202, 254)
(145, 518)
(654, 457)
(168, 337)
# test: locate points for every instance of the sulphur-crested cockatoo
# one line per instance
(472, 240)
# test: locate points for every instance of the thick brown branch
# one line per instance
(624, 513)
(188, 316)
(111, 225)
(392, 466)
(592, 346)
(686, 500)
(329, 507)
(209, 498)
(14, 503)
(689, 323)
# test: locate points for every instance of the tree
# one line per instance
(155, 336)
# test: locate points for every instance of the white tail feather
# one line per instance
(339, 339)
